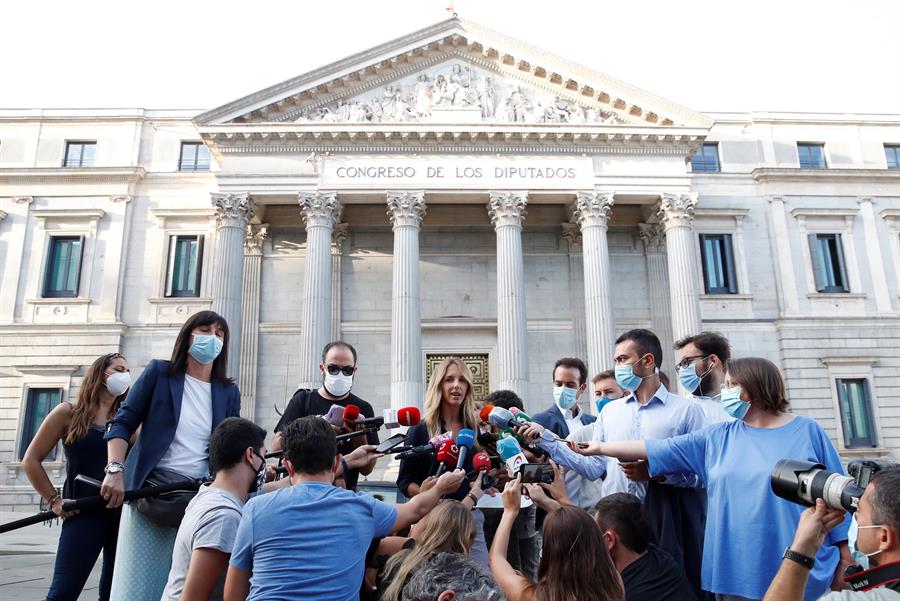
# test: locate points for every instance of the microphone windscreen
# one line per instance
(409, 416)
(500, 417)
(351, 413)
(485, 413)
(508, 447)
(480, 462)
(448, 453)
(465, 438)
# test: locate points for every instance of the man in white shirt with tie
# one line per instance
(701, 369)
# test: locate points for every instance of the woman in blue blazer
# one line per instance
(176, 404)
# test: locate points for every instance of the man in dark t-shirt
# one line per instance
(338, 368)
(648, 572)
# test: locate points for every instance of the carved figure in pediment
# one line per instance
(423, 95)
(389, 104)
(486, 98)
(442, 94)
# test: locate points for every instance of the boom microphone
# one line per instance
(447, 455)
(465, 440)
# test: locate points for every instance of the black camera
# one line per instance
(804, 481)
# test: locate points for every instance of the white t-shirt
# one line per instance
(188, 454)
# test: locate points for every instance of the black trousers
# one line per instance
(82, 539)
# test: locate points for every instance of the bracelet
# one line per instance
(474, 499)
(53, 499)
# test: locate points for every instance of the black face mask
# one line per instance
(260, 475)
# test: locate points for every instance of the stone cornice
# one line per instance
(470, 42)
(792, 174)
(809, 212)
(71, 175)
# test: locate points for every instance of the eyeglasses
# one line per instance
(333, 369)
(688, 360)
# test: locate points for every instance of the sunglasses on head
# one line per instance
(333, 369)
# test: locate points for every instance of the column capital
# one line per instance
(406, 208)
(593, 208)
(864, 199)
(3, 215)
(677, 210)
(320, 209)
(339, 233)
(23, 200)
(254, 235)
(507, 208)
(572, 234)
(653, 235)
(232, 210)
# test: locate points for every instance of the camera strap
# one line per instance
(865, 580)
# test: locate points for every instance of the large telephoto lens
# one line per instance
(804, 481)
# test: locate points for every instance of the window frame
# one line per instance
(896, 151)
(729, 265)
(82, 143)
(852, 368)
(814, 240)
(28, 411)
(809, 145)
(849, 443)
(705, 162)
(49, 264)
(194, 168)
(172, 249)
(829, 221)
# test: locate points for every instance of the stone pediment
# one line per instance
(454, 72)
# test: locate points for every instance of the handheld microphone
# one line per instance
(406, 416)
(448, 454)
(370, 421)
(465, 440)
(426, 449)
(511, 453)
(351, 413)
(520, 415)
(487, 439)
(481, 462)
(485, 413)
(335, 415)
(502, 418)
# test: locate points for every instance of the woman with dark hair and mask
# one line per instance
(575, 563)
(80, 427)
(176, 404)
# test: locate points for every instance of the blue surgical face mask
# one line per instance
(602, 402)
(853, 540)
(565, 397)
(627, 379)
(205, 348)
(689, 377)
(733, 404)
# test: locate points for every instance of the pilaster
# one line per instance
(653, 237)
(254, 236)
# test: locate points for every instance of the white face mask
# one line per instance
(338, 385)
(118, 382)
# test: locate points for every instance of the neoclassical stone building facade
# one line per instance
(458, 192)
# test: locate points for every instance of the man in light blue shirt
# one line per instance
(700, 367)
(309, 541)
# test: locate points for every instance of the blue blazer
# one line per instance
(154, 403)
(553, 420)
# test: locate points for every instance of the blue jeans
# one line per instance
(82, 538)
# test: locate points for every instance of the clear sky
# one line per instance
(723, 55)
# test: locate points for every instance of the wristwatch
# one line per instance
(804, 560)
(114, 467)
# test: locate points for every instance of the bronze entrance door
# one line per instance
(477, 364)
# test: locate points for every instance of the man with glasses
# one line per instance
(701, 369)
(338, 368)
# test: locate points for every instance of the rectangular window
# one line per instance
(185, 258)
(80, 154)
(194, 157)
(812, 156)
(856, 413)
(892, 155)
(718, 264)
(38, 403)
(63, 267)
(706, 160)
(829, 271)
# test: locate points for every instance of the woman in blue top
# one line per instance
(177, 404)
(747, 526)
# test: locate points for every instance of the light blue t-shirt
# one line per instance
(747, 526)
(308, 541)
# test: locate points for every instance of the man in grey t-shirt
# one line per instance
(206, 535)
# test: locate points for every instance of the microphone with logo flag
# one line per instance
(465, 440)
(511, 453)
(426, 449)
(447, 456)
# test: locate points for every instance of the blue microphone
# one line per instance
(465, 440)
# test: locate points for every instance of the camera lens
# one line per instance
(803, 482)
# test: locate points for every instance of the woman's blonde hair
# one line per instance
(85, 409)
(468, 414)
(449, 528)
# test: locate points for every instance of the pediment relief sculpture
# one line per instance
(457, 87)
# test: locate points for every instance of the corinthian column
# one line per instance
(507, 212)
(677, 214)
(233, 211)
(654, 238)
(406, 210)
(592, 215)
(253, 240)
(319, 210)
